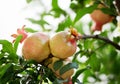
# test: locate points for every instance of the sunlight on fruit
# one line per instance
(36, 47)
(63, 45)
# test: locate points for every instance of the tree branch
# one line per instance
(102, 38)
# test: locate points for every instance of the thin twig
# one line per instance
(117, 6)
(102, 38)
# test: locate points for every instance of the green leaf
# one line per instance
(74, 78)
(30, 30)
(55, 4)
(75, 56)
(17, 42)
(88, 44)
(66, 23)
(7, 46)
(57, 12)
(87, 74)
(94, 62)
(76, 6)
(6, 73)
(28, 1)
(108, 11)
(57, 65)
(67, 67)
(41, 22)
(78, 81)
(57, 9)
(3, 69)
(84, 11)
(16, 81)
(79, 26)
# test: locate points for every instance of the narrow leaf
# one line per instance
(30, 30)
(78, 81)
(6, 72)
(17, 42)
(55, 7)
(55, 4)
(108, 11)
(67, 67)
(74, 78)
(66, 23)
(57, 65)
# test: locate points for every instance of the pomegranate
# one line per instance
(99, 19)
(63, 44)
(65, 75)
(36, 47)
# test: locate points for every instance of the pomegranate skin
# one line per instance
(36, 47)
(99, 19)
(63, 45)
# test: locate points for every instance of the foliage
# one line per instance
(102, 55)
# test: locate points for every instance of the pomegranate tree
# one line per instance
(36, 47)
(99, 18)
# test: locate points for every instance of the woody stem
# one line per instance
(103, 39)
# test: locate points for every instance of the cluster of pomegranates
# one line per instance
(39, 47)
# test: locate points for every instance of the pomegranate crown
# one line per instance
(20, 31)
(75, 33)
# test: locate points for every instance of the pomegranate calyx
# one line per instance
(20, 32)
(75, 33)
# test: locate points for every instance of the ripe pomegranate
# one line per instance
(36, 47)
(63, 44)
(99, 19)
(65, 75)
